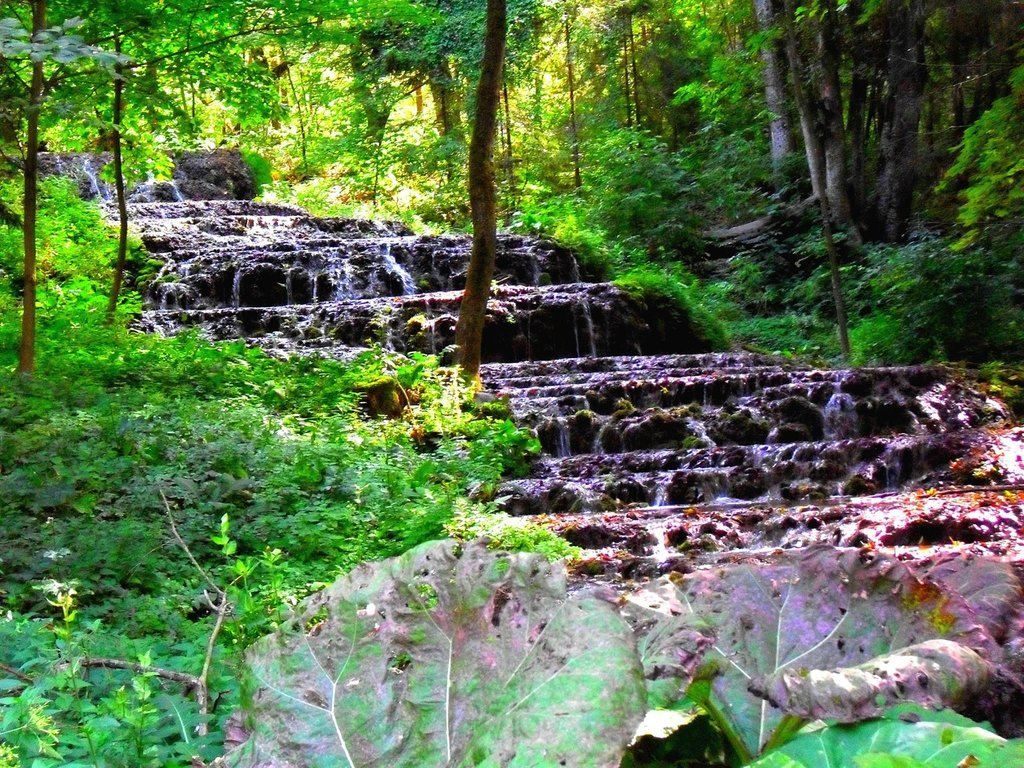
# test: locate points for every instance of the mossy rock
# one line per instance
(384, 397)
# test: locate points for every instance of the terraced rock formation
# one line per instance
(294, 283)
(657, 453)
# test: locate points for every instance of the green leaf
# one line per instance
(449, 655)
(931, 742)
(817, 610)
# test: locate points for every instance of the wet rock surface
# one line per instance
(657, 454)
(660, 457)
(291, 282)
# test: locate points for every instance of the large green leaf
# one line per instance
(819, 609)
(447, 656)
(930, 742)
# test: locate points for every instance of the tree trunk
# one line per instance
(300, 113)
(510, 163)
(816, 151)
(573, 127)
(482, 196)
(634, 69)
(805, 109)
(907, 74)
(119, 187)
(27, 350)
(856, 129)
(773, 58)
(627, 93)
(834, 132)
(444, 92)
(857, 113)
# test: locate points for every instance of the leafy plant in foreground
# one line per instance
(767, 670)
(904, 738)
(448, 655)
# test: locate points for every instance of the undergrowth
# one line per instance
(276, 473)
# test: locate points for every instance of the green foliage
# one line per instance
(642, 197)
(564, 219)
(262, 170)
(675, 291)
(507, 533)
(922, 740)
(73, 240)
(926, 301)
(990, 162)
(277, 475)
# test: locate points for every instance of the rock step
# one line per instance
(809, 470)
(650, 541)
(274, 270)
(711, 386)
(511, 374)
(210, 209)
(648, 417)
(523, 323)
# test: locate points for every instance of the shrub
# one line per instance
(927, 301)
(677, 291)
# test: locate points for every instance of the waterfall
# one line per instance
(396, 269)
(840, 417)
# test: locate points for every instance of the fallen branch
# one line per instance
(17, 675)
(190, 681)
(751, 229)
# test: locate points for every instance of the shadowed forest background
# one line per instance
(749, 170)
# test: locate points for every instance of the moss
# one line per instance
(262, 171)
(384, 397)
(674, 291)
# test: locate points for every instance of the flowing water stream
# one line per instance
(655, 449)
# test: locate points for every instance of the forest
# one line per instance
(511, 383)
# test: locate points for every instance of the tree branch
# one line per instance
(16, 674)
(190, 681)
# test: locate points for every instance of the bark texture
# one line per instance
(816, 160)
(119, 188)
(773, 58)
(483, 194)
(907, 75)
(27, 349)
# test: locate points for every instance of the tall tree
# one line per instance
(27, 349)
(815, 150)
(483, 194)
(907, 75)
(119, 188)
(831, 117)
(574, 129)
(773, 57)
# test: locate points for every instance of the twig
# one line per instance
(191, 681)
(186, 550)
(202, 683)
(17, 675)
(203, 689)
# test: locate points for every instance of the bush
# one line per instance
(564, 219)
(927, 301)
(677, 291)
(283, 453)
(642, 197)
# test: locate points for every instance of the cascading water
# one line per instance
(640, 437)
